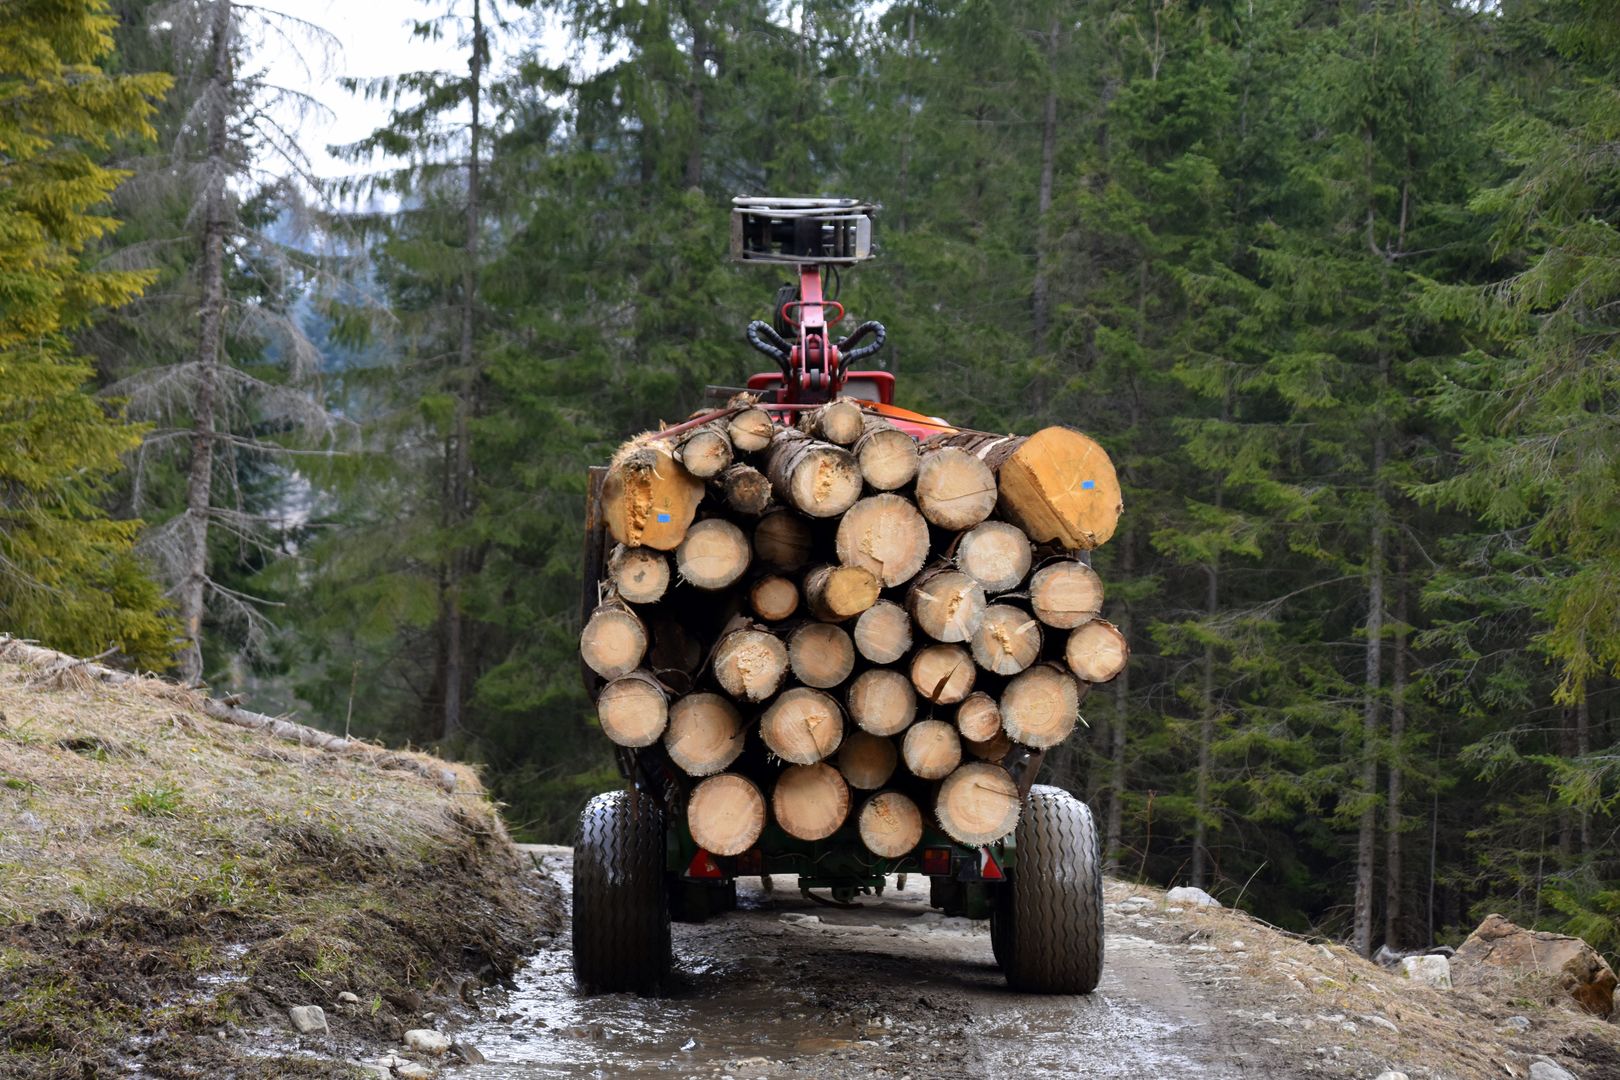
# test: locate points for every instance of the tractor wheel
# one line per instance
(621, 915)
(1047, 926)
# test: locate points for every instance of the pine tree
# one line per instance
(67, 572)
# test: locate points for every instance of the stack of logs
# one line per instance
(802, 613)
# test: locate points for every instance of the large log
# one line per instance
(1040, 707)
(882, 701)
(977, 804)
(810, 801)
(782, 539)
(836, 422)
(978, 718)
(946, 604)
(745, 489)
(943, 674)
(995, 554)
(890, 825)
(639, 575)
(1065, 593)
(931, 749)
(886, 535)
(836, 593)
(1007, 641)
(821, 654)
(803, 726)
(1057, 485)
(751, 430)
(614, 641)
(725, 814)
(705, 734)
(955, 490)
(817, 478)
(1097, 651)
(867, 761)
(633, 709)
(883, 632)
(648, 497)
(706, 450)
(887, 456)
(773, 597)
(713, 555)
(750, 664)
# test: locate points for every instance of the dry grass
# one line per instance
(1312, 989)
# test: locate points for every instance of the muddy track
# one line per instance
(784, 987)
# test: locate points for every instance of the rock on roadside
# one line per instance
(308, 1020)
(1190, 894)
(1546, 1070)
(1499, 947)
(426, 1041)
(1432, 971)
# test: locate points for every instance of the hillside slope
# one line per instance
(175, 875)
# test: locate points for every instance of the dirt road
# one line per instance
(784, 987)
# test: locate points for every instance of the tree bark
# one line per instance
(1397, 757)
(1367, 833)
(1199, 873)
(1040, 306)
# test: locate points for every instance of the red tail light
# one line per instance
(936, 861)
(704, 866)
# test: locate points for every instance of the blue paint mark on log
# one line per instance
(1087, 485)
(663, 519)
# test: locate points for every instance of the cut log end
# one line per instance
(818, 479)
(890, 824)
(883, 632)
(836, 593)
(821, 655)
(706, 452)
(633, 710)
(713, 555)
(886, 535)
(1040, 707)
(803, 726)
(726, 814)
(751, 430)
(705, 734)
(943, 674)
(750, 664)
(931, 749)
(1008, 640)
(947, 605)
(810, 801)
(648, 498)
(614, 640)
(996, 555)
(978, 804)
(955, 490)
(838, 422)
(1097, 651)
(867, 761)
(639, 575)
(1065, 593)
(978, 718)
(745, 490)
(1059, 486)
(773, 597)
(887, 456)
(882, 701)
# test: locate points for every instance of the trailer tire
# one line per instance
(621, 912)
(1047, 924)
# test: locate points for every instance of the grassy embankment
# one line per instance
(170, 884)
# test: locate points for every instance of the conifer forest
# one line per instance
(1336, 282)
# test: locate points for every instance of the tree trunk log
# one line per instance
(1065, 593)
(803, 726)
(883, 632)
(943, 674)
(750, 664)
(1040, 707)
(996, 555)
(705, 734)
(773, 597)
(931, 749)
(782, 539)
(639, 575)
(887, 456)
(946, 604)
(1057, 485)
(725, 814)
(821, 654)
(633, 709)
(706, 450)
(978, 804)
(614, 641)
(1008, 640)
(1097, 651)
(994, 748)
(886, 535)
(836, 593)
(867, 761)
(648, 498)
(751, 430)
(955, 490)
(882, 702)
(838, 422)
(713, 555)
(745, 489)
(978, 718)
(819, 479)
(810, 801)
(890, 825)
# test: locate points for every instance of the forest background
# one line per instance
(1337, 283)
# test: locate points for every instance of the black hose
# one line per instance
(849, 355)
(763, 337)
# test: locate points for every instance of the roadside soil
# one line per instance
(784, 987)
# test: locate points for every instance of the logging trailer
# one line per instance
(637, 865)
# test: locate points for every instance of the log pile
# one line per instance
(826, 623)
